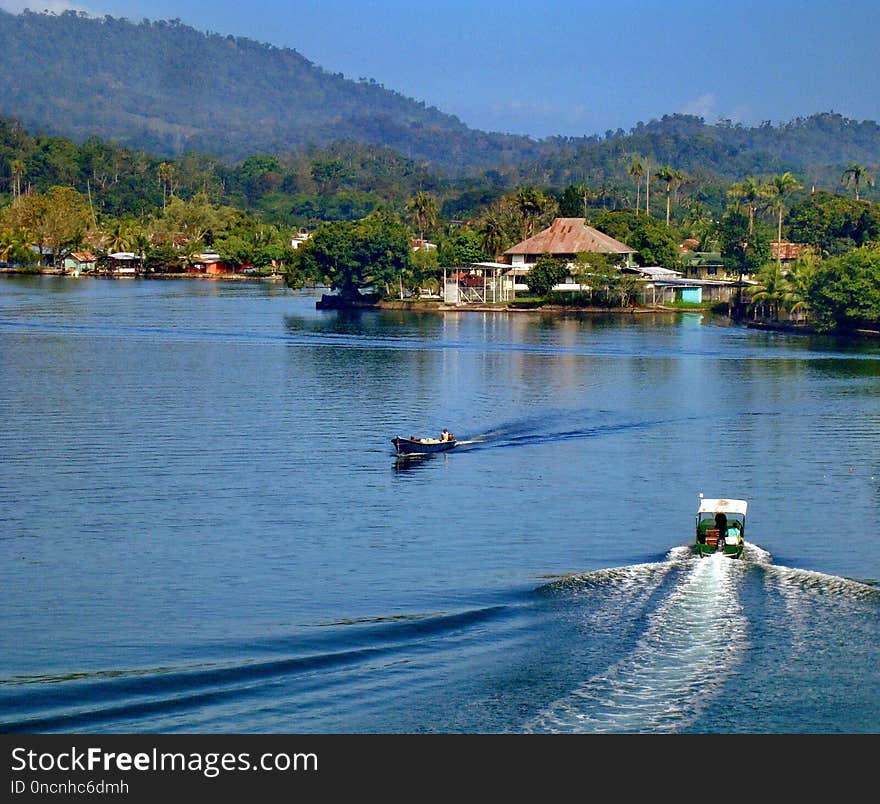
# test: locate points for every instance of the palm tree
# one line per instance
(491, 234)
(166, 177)
(139, 242)
(669, 176)
(17, 168)
(118, 236)
(636, 169)
(698, 222)
(777, 189)
(530, 203)
(773, 290)
(751, 192)
(423, 209)
(9, 244)
(854, 175)
(587, 195)
(801, 276)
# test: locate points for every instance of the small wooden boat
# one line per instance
(721, 525)
(422, 446)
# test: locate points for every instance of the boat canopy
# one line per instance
(717, 506)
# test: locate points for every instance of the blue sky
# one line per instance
(572, 67)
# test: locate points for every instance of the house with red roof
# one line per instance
(565, 238)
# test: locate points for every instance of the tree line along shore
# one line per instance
(186, 222)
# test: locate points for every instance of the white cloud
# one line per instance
(703, 106)
(55, 6)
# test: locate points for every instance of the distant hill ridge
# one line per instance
(166, 88)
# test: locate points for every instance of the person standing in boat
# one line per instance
(721, 524)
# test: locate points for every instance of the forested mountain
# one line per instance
(341, 181)
(263, 128)
(816, 148)
(167, 88)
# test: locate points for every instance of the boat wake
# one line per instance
(557, 426)
(806, 595)
(303, 674)
(693, 642)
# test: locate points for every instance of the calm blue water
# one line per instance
(203, 527)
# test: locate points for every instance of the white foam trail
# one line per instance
(693, 642)
(800, 591)
(756, 555)
(789, 580)
(626, 591)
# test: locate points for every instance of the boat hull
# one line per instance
(408, 446)
(731, 551)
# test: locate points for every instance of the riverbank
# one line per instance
(441, 307)
(228, 277)
(806, 329)
(438, 306)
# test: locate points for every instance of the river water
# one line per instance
(203, 527)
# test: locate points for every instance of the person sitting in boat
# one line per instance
(733, 535)
(445, 435)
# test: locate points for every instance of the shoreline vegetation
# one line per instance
(795, 255)
(438, 306)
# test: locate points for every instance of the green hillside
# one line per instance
(167, 88)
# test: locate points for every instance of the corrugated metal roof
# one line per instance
(657, 272)
(570, 236)
(786, 251)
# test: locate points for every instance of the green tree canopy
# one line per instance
(352, 256)
(574, 200)
(745, 243)
(460, 246)
(655, 243)
(845, 291)
(55, 221)
(833, 223)
(197, 220)
(545, 273)
(423, 209)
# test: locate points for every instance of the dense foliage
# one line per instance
(164, 87)
(655, 243)
(832, 223)
(175, 142)
(745, 245)
(352, 256)
(167, 88)
(545, 273)
(845, 292)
